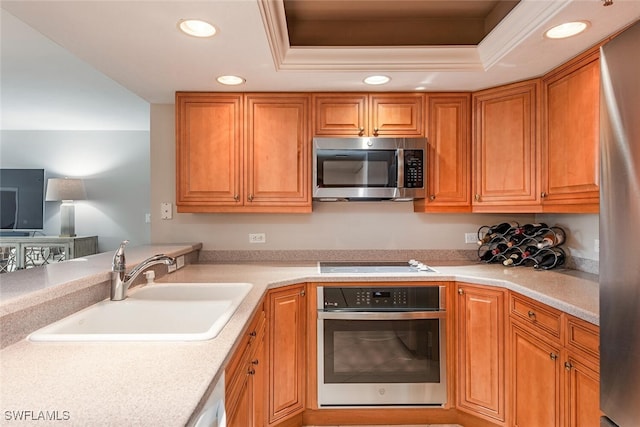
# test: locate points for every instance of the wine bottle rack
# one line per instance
(513, 249)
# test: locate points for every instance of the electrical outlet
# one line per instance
(180, 262)
(257, 238)
(166, 210)
(596, 245)
(470, 237)
(147, 218)
(171, 268)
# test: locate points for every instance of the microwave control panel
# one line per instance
(413, 168)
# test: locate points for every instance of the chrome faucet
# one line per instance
(121, 280)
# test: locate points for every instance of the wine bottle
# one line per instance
(529, 251)
(549, 259)
(516, 239)
(501, 247)
(554, 237)
(514, 258)
(486, 255)
(496, 231)
(530, 229)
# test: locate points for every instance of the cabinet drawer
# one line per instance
(540, 316)
(582, 336)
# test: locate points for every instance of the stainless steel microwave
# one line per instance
(369, 168)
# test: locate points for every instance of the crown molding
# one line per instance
(516, 27)
(521, 23)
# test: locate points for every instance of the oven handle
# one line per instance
(369, 315)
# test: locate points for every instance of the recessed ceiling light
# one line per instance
(377, 80)
(196, 28)
(567, 29)
(230, 80)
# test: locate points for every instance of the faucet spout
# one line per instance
(121, 280)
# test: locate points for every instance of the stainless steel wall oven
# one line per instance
(381, 346)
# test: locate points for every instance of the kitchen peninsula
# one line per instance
(162, 383)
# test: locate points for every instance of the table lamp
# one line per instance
(66, 190)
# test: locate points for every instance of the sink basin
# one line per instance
(158, 312)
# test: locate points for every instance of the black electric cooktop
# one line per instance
(373, 267)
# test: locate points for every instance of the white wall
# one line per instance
(115, 166)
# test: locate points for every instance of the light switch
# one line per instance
(166, 210)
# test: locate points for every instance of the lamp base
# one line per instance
(67, 220)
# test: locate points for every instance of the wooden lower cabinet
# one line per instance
(536, 373)
(520, 363)
(481, 380)
(582, 393)
(286, 310)
(554, 377)
(245, 377)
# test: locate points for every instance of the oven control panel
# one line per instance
(379, 298)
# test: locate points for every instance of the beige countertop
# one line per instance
(161, 384)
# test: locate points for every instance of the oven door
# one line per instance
(381, 359)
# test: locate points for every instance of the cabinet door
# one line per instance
(277, 152)
(396, 115)
(535, 380)
(504, 149)
(582, 388)
(570, 143)
(208, 150)
(340, 114)
(449, 154)
(481, 351)
(287, 345)
(240, 415)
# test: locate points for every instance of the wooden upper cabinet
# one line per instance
(340, 114)
(570, 138)
(278, 151)
(449, 154)
(243, 152)
(505, 152)
(208, 149)
(397, 114)
(359, 114)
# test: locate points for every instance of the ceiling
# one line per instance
(102, 62)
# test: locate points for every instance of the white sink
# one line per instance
(158, 312)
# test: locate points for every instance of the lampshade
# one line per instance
(65, 189)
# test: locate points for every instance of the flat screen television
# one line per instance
(21, 200)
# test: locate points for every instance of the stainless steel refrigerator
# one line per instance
(620, 230)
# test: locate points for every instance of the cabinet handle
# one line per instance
(477, 197)
(253, 334)
(543, 194)
(568, 366)
(553, 356)
(302, 293)
(460, 291)
(375, 131)
(250, 198)
(361, 129)
(432, 197)
(251, 372)
(255, 361)
(532, 315)
(236, 197)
